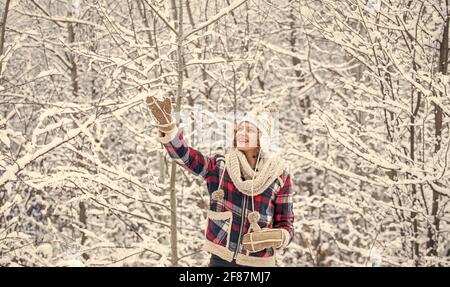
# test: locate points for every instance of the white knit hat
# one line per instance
(262, 119)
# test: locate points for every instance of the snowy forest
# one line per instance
(361, 89)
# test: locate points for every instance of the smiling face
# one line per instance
(247, 137)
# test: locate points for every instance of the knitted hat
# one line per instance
(262, 119)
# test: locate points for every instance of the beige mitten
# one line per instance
(162, 112)
(262, 239)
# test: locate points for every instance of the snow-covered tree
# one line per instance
(361, 92)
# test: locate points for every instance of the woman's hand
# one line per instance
(162, 112)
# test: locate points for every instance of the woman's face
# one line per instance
(246, 137)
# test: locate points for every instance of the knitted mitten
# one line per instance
(162, 112)
(262, 239)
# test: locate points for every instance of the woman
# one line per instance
(251, 209)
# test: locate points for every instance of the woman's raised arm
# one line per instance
(173, 141)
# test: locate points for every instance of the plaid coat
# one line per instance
(227, 217)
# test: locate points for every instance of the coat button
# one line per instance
(218, 195)
(254, 216)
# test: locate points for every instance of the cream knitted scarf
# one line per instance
(268, 170)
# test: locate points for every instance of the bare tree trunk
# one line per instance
(75, 89)
(304, 103)
(178, 17)
(412, 134)
(3, 30)
(73, 65)
(438, 120)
